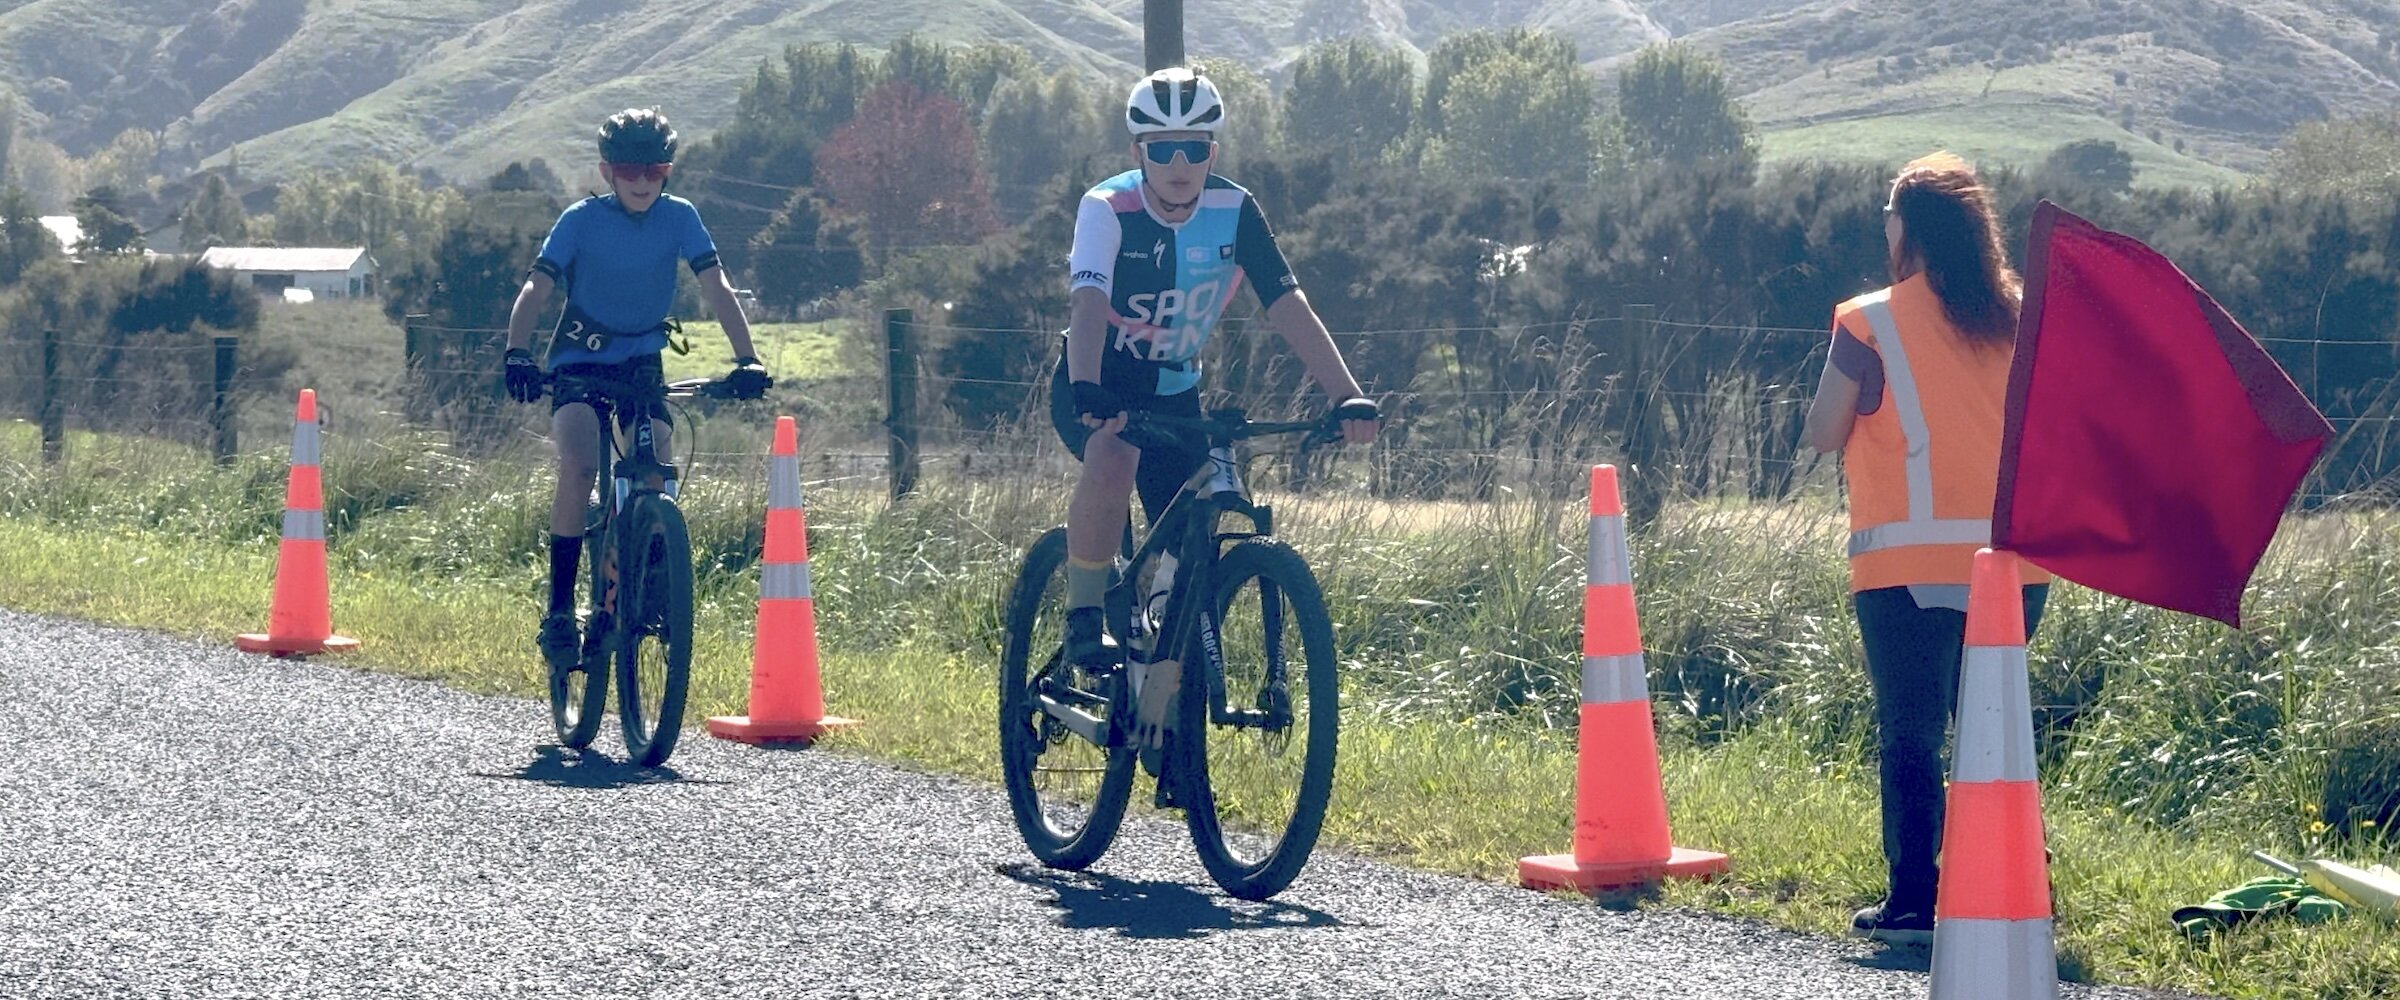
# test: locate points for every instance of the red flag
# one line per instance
(2151, 444)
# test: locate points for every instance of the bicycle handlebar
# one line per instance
(1225, 426)
(712, 388)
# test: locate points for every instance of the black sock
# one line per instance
(565, 553)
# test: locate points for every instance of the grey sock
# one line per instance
(1087, 584)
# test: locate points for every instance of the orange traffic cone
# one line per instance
(1992, 932)
(1620, 803)
(787, 702)
(301, 619)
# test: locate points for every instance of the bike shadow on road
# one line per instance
(1156, 910)
(561, 767)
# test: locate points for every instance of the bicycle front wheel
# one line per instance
(654, 615)
(1067, 794)
(1257, 739)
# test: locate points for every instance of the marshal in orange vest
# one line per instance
(1924, 465)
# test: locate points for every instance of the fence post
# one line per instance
(900, 394)
(53, 415)
(1643, 435)
(221, 417)
(412, 369)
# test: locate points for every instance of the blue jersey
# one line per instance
(1168, 285)
(619, 272)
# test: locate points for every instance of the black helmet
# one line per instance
(637, 135)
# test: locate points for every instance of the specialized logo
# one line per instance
(1158, 254)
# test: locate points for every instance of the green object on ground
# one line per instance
(2260, 897)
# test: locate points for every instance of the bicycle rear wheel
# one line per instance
(579, 697)
(1067, 794)
(1257, 741)
(654, 611)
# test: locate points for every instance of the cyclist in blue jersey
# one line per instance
(1160, 250)
(616, 254)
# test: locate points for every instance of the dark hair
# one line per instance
(1947, 222)
(637, 135)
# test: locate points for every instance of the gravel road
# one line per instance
(180, 820)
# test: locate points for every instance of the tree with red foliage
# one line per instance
(905, 167)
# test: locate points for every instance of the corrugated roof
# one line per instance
(282, 258)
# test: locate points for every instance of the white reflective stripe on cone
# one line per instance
(1908, 405)
(784, 582)
(305, 450)
(1994, 960)
(1608, 562)
(304, 525)
(1953, 531)
(783, 482)
(1995, 716)
(1608, 680)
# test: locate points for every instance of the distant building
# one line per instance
(325, 273)
(65, 229)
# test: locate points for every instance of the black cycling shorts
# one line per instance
(1162, 471)
(635, 385)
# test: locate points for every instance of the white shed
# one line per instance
(326, 273)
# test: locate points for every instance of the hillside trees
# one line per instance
(1351, 99)
(906, 170)
(214, 218)
(1679, 110)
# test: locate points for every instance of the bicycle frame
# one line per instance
(1190, 529)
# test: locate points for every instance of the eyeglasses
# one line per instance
(1163, 151)
(641, 171)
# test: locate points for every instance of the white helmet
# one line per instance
(1174, 100)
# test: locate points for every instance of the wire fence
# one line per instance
(1694, 410)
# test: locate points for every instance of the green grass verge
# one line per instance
(1448, 796)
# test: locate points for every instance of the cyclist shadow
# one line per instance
(1158, 910)
(560, 767)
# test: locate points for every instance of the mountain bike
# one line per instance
(640, 559)
(1250, 746)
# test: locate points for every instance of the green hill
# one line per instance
(460, 87)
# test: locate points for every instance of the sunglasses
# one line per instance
(1163, 151)
(641, 171)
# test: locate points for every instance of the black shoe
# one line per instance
(560, 644)
(1883, 922)
(1088, 641)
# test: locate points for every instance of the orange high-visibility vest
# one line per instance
(1924, 466)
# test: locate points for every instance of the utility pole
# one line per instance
(1162, 34)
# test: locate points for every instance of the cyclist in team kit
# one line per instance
(616, 254)
(1159, 252)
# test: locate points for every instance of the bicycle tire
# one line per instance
(654, 616)
(1312, 690)
(1048, 821)
(579, 697)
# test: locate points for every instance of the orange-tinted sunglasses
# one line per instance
(641, 171)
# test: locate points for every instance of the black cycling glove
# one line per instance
(1357, 408)
(523, 374)
(748, 379)
(1097, 401)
